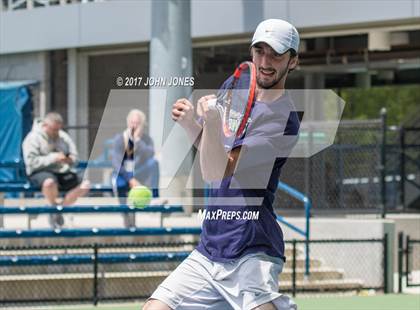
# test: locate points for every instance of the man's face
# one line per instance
(271, 66)
(134, 122)
(52, 129)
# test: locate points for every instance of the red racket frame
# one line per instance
(251, 97)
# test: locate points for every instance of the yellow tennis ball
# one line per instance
(139, 196)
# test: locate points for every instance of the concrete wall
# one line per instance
(308, 13)
(125, 21)
(74, 25)
(29, 66)
(23, 66)
(338, 228)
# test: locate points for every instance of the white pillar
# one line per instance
(77, 99)
(170, 56)
(72, 89)
(44, 87)
(83, 104)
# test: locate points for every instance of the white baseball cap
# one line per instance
(277, 33)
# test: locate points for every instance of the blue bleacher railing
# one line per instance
(89, 209)
(304, 232)
(97, 232)
(103, 258)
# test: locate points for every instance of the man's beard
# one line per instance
(270, 84)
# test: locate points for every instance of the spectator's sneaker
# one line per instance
(56, 220)
(60, 219)
(130, 220)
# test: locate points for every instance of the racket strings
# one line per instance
(237, 102)
(234, 103)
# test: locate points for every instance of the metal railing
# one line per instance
(408, 262)
(304, 232)
(97, 232)
(55, 274)
(409, 154)
(106, 271)
(341, 265)
(89, 209)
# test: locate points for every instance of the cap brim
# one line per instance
(275, 45)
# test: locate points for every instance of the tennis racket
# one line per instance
(236, 101)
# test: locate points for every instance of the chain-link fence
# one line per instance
(408, 262)
(347, 175)
(335, 266)
(410, 167)
(100, 272)
(89, 273)
(413, 262)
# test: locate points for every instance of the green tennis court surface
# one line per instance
(380, 302)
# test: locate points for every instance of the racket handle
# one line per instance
(212, 103)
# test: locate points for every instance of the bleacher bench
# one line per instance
(97, 232)
(21, 184)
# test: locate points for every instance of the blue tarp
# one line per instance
(15, 123)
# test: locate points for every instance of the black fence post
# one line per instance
(400, 260)
(340, 162)
(382, 167)
(294, 269)
(402, 167)
(95, 274)
(407, 260)
(385, 270)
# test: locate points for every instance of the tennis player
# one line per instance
(239, 258)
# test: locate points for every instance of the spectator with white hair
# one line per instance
(133, 160)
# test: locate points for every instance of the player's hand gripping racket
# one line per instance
(236, 101)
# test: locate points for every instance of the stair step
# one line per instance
(323, 285)
(301, 262)
(321, 273)
(288, 251)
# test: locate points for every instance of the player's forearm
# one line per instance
(194, 131)
(213, 157)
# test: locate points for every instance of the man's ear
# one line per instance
(294, 61)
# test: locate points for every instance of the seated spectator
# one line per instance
(50, 156)
(133, 161)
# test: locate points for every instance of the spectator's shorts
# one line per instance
(65, 181)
